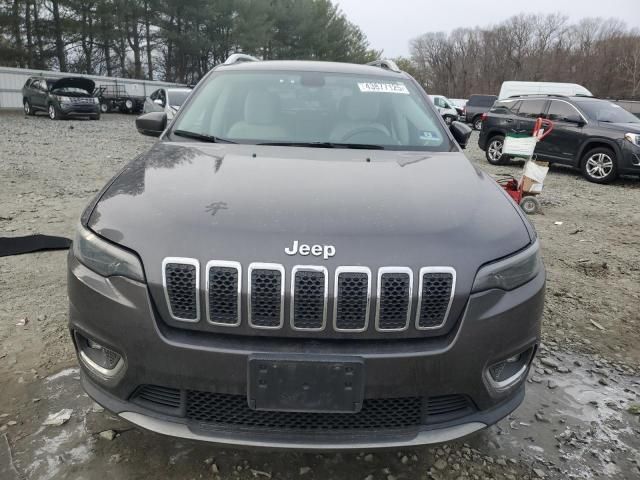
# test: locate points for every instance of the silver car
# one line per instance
(167, 100)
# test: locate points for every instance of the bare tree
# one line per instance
(600, 54)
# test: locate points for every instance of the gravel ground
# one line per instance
(579, 420)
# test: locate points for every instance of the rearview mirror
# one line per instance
(461, 133)
(152, 124)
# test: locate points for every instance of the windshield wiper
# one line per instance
(359, 146)
(201, 136)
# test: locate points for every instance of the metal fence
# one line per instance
(12, 80)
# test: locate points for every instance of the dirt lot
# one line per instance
(576, 422)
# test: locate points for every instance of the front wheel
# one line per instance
(28, 109)
(128, 105)
(104, 107)
(54, 113)
(600, 166)
(494, 151)
(448, 119)
(477, 123)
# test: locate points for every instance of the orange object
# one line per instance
(543, 127)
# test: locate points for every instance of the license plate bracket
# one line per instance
(304, 383)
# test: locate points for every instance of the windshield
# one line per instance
(71, 90)
(177, 97)
(290, 108)
(604, 111)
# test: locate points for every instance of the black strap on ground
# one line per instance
(32, 243)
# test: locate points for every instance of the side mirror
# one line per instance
(574, 118)
(152, 124)
(157, 101)
(461, 132)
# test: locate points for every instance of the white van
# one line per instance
(445, 107)
(512, 89)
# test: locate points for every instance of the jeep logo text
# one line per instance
(326, 251)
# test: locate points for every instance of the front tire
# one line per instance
(54, 113)
(104, 107)
(28, 109)
(600, 165)
(448, 119)
(493, 153)
(477, 123)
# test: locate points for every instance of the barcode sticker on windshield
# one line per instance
(383, 87)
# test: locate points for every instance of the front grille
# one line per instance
(232, 411)
(315, 298)
(394, 299)
(353, 290)
(222, 409)
(82, 101)
(309, 298)
(436, 294)
(223, 293)
(181, 277)
(266, 295)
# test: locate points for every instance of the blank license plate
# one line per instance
(306, 383)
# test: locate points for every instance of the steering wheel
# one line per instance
(371, 129)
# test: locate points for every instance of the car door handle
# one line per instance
(509, 120)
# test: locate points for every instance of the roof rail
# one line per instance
(386, 64)
(540, 95)
(239, 58)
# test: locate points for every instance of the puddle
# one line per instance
(582, 429)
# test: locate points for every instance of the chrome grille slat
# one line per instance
(394, 294)
(181, 283)
(352, 299)
(265, 305)
(435, 295)
(309, 294)
(223, 292)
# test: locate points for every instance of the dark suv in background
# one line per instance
(476, 106)
(597, 136)
(61, 97)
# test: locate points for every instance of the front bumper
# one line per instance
(630, 158)
(70, 109)
(119, 313)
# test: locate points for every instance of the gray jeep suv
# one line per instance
(305, 259)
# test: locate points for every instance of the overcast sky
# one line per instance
(390, 24)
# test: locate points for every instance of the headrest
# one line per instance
(261, 108)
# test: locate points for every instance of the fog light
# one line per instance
(509, 372)
(98, 358)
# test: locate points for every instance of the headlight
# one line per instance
(633, 138)
(96, 100)
(62, 99)
(511, 272)
(104, 258)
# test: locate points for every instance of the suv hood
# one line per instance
(248, 203)
(622, 127)
(74, 82)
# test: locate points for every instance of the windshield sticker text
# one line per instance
(383, 87)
